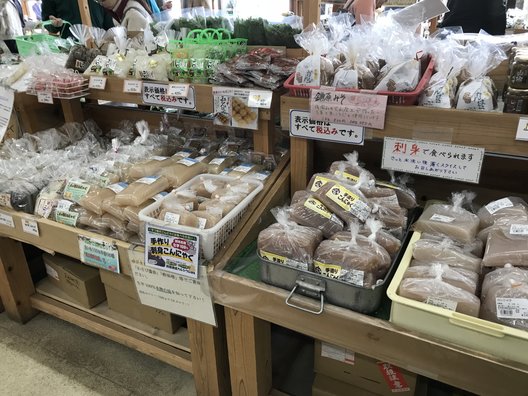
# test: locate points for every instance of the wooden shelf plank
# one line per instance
(179, 340)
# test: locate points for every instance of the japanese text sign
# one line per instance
(446, 161)
(158, 94)
(301, 125)
(364, 110)
(393, 377)
(99, 253)
(172, 251)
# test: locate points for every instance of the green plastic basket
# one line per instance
(29, 45)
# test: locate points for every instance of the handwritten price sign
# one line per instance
(348, 108)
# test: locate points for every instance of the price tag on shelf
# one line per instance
(45, 97)
(97, 82)
(522, 129)
(260, 99)
(30, 227)
(99, 253)
(6, 220)
(178, 90)
(132, 86)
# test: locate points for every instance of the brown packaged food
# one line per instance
(459, 277)
(373, 229)
(503, 211)
(507, 276)
(240, 189)
(390, 218)
(131, 213)
(141, 190)
(206, 187)
(245, 169)
(110, 206)
(350, 169)
(299, 196)
(311, 212)
(344, 201)
(224, 204)
(183, 171)
(133, 227)
(115, 224)
(179, 216)
(93, 220)
(475, 247)
(406, 197)
(218, 164)
(208, 218)
(438, 293)
(290, 244)
(93, 200)
(185, 198)
(507, 246)
(149, 167)
(446, 252)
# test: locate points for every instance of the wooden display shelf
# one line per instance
(250, 306)
(173, 349)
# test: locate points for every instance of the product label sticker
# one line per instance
(76, 190)
(159, 196)
(99, 253)
(334, 352)
(262, 175)
(45, 97)
(51, 272)
(64, 205)
(158, 158)
(172, 218)
(519, 229)
(201, 158)
(118, 187)
(132, 86)
(318, 207)
(349, 201)
(179, 90)
(328, 270)
(512, 308)
(5, 200)
(66, 218)
(226, 171)
(6, 220)
(97, 82)
(243, 168)
(188, 161)
(30, 227)
(394, 378)
(217, 161)
(442, 218)
(346, 175)
(442, 303)
(147, 179)
(495, 206)
(319, 182)
(183, 154)
(202, 223)
(283, 260)
(44, 207)
(172, 250)
(355, 277)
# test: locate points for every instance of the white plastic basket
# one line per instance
(211, 239)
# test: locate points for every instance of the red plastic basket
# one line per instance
(395, 98)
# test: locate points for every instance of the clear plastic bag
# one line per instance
(350, 169)
(311, 212)
(507, 245)
(458, 277)
(152, 67)
(314, 70)
(503, 211)
(445, 251)
(373, 229)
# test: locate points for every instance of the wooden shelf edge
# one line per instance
(158, 350)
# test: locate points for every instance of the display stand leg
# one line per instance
(263, 137)
(72, 110)
(311, 11)
(249, 345)
(301, 163)
(209, 356)
(16, 286)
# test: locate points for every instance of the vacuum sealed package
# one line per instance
(152, 166)
(451, 220)
(350, 169)
(504, 210)
(218, 164)
(311, 212)
(115, 224)
(183, 171)
(507, 245)
(314, 70)
(445, 252)
(458, 277)
(110, 206)
(244, 169)
(441, 294)
(288, 243)
(141, 190)
(93, 221)
(94, 199)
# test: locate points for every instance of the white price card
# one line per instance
(6, 220)
(99, 253)
(337, 353)
(179, 90)
(7, 98)
(30, 227)
(97, 82)
(171, 250)
(522, 129)
(132, 86)
(301, 125)
(260, 99)
(45, 97)
(442, 160)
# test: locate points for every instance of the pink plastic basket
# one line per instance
(395, 98)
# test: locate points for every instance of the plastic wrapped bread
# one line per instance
(451, 220)
(288, 243)
(503, 210)
(93, 201)
(506, 247)
(183, 171)
(350, 169)
(179, 216)
(439, 293)
(206, 187)
(446, 251)
(459, 277)
(141, 190)
(218, 164)
(149, 167)
(311, 212)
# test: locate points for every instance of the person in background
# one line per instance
(68, 10)
(476, 15)
(11, 23)
(363, 10)
(134, 15)
(164, 5)
(37, 9)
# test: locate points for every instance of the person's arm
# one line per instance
(49, 9)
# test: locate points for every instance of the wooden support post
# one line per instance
(263, 138)
(72, 110)
(249, 345)
(311, 11)
(84, 9)
(301, 163)
(210, 363)
(16, 286)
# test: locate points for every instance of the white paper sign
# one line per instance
(337, 353)
(45, 97)
(301, 125)
(97, 83)
(99, 253)
(30, 227)
(158, 94)
(6, 220)
(7, 98)
(522, 129)
(172, 292)
(179, 90)
(132, 86)
(446, 161)
(260, 99)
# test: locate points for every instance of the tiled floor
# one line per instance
(47, 356)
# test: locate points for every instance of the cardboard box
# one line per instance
(125, 284)
(326, 386)
(80, 282)
(122, 303)
(363, 372)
